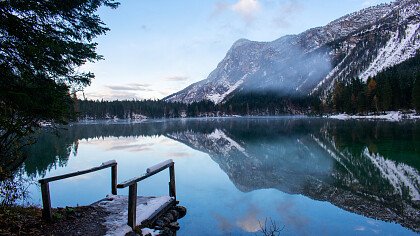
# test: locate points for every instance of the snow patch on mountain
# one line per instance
(400, 176)
(218, 134)
(395, 51)
(217, 141)
(333, 153)
(217, 98)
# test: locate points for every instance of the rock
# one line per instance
(181, 210)
(163, 221)
(174, 225)
(167, 232)
(174, 213)
(132, 234)
(160, 223)
(170, 217)
(166, 220)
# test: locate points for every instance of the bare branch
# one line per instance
(270, 228)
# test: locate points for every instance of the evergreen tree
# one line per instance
(386, 96)
(416, 95)
(338, 96)
(371, 93)
(42, 43)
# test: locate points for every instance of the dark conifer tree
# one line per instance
(42, 43)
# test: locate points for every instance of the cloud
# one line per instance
(144, 27)
(178, 154)
(133, 147)
(130, 87)
(286, 12)
(168, 91)
(359, 228)
(247, 9)
(111, 95)
(249, 222)
(219, 8)
(368, 3)
(292, 217)
(224, 223)
(177, 78)
(127, 91)
(114, 143)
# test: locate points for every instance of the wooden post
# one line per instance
(46, 201)
(114, 180)
(172, 189)
(132, 205)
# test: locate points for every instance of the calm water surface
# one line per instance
(312, 176)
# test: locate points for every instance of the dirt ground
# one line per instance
(84, 220)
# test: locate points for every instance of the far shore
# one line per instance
(387, 116)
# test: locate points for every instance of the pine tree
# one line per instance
(370, 93)
(416, 95)
(337, 96)
(386, 95)
(42, 45)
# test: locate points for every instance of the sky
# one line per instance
(158, 47)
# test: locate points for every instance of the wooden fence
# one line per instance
(45, 189)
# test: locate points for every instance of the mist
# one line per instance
(287, 67)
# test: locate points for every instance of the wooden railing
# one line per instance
(45, 189)
(132, 187)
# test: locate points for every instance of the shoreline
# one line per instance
(394, 116)
(388, 116)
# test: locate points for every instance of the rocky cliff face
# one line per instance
(357, 45)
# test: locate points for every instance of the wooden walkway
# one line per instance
(148, 209)
(121, 214)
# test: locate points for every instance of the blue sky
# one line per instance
(157, 47)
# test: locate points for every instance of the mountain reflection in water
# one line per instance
(366, 167)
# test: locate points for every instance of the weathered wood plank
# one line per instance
(114, 179)
(172, 188)
(82, 172)
(162, 209)
(158, 166)
(46, 201)
(132, 205)
(144, 176)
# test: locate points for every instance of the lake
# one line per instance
(313, 176)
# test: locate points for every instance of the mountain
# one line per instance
(360, 44)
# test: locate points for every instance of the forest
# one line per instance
(396, 88)
(241, 104)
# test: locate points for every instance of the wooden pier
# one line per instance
(124, 213)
